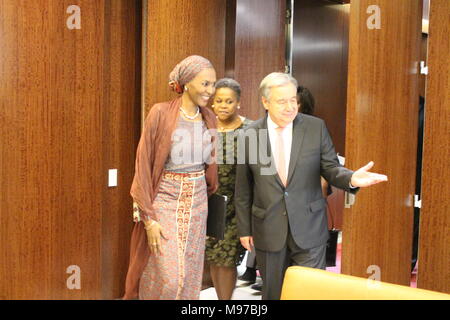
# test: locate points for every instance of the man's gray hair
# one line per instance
(275, 79)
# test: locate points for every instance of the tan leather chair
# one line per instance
(301, 283)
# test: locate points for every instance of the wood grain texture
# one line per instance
(52, 169)
(259, 49)
(423, 57)
(49, 213)
(434, 236)
(121, 133)
(382, 124)
(320, 60)
(320, 63)
(230, 38)
(176, 30)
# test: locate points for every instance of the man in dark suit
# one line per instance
(279, 204)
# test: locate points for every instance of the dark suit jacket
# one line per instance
(265, 208)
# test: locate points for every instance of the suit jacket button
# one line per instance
(284, 213)
(286, 193)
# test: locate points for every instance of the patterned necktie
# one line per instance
(280, 157)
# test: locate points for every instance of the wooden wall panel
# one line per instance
(423, 57)
(176, 30)
(320, 63)
(234, 35)
(320, 60)
(49, 134)
(434, 237)
(52, 174)
(382, 124)
(259, 49)
(121, 133)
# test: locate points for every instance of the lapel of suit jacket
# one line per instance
(298, 134)
(264, 127)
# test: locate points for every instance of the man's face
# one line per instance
(282, 104)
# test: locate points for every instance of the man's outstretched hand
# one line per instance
(363, 178)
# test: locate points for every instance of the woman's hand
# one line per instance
(154, 234)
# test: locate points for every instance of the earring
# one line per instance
(185, 88)
(212, 106)
(238, 107)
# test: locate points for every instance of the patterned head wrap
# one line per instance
(186, 70)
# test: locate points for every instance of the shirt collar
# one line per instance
(271, 125)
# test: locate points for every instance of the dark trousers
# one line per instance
(273, 265)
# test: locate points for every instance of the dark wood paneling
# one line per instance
(52, 169)
(434, 239)
(230, 38)
(175, 30)
(382, 126)
(320, 63)
(121, 132)
(259, 48)
(319, 60)
(234, 35)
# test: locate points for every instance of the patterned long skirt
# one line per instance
(181, 208)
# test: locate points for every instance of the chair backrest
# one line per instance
(301, 283)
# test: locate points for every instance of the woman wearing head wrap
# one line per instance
(175, 173)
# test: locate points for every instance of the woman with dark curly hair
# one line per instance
(305, 101)
(223, 256)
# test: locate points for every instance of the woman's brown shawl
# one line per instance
(152, 152)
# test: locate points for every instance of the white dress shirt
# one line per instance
(287, 140)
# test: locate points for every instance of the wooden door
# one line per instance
(69, 90)
(434, 235)
(382, 112)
